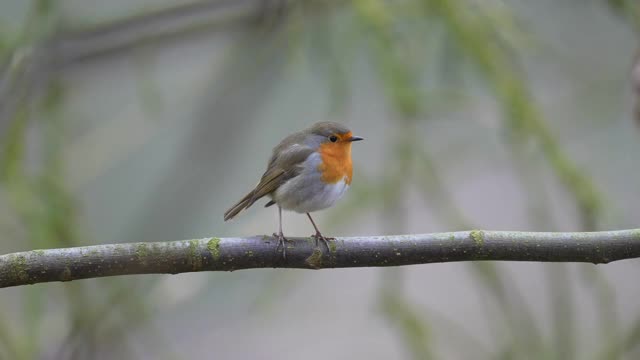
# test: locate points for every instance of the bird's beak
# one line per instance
(355, 138)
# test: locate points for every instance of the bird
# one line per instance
(308, 171)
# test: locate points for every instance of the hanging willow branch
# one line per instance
(228, 254)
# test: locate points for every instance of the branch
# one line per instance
(228, 254)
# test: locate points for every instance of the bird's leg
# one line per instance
(319, 236)
(280, 236)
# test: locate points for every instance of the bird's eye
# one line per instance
(333, 138)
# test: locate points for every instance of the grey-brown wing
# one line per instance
(283, 165)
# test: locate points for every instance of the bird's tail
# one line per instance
(244, 203)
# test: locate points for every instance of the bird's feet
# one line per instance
(281, 242)
(325, 240)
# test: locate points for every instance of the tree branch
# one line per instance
(228, 254)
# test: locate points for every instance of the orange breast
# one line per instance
(336, 162)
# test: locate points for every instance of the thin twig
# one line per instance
(228, 254)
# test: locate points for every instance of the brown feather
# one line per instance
(239, 206)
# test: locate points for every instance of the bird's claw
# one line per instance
(324, 239)
(281, 242)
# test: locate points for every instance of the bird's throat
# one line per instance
(336, 162)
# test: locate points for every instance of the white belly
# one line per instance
(297, 196)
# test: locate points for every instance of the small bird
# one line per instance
(308, 171)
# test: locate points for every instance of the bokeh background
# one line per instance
(144, 120)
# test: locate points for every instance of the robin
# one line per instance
(308, 171)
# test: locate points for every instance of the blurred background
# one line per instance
(140, 120)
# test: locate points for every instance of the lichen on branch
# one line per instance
(229, 254)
